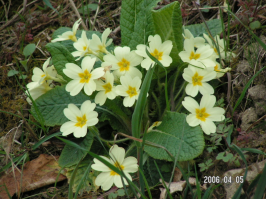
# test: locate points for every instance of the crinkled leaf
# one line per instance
(181, 140)
(168, 24)
(136, 21)
(52, 104)
(60, 56)
(214, 25)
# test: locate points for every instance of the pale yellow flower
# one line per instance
(123, 62)
(108, 177)
(41, 76)
(129, 88)
(197, 78)
(200, 58)
(156, 48)
(82, 77)
(99, 45)
(69, 35)
(80, 119)
(203, 114)
(106, 89)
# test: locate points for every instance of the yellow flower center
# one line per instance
(117, 165)
(43, 75)
(72, 37)
(124, 65)
(196, 79)
(131, 91)
(102, 49)
(84, 48)
(158, 55)
(85, 77)
(81, 121)
(201, 114)
(216, 68)
(215, 50)
(107, 87)
(194, 56)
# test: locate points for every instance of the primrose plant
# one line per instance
(94, 90)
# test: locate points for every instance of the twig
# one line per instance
(15, 17)
(24, 6)
(95, 16)
(77, 13)
(6, 14)
(255, 123)
(116, 30)
(229, 77)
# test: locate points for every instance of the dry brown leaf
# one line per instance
(178, 186)
(177, 175)
(36, 173)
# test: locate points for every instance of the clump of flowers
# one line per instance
(202, 68)
(94, 72)
(117, 76)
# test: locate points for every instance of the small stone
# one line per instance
(260, 107)
(248, 117)
(237, 174)
(243, 67)
(257, 92)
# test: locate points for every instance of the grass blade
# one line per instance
(140, 105)
(168, 192)
(261, 184)
(35, 146)
(238, 192)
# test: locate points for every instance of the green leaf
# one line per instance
(140, 105)
(225, 157)
(255, 25)
(120, 192)
(214, 25)
(181, 140)
(151, 173)
(168, 24)
(72, 155)
(117, 115)
(136, 21)
(88, 8)
(24, 64)
(47, 2)
(12, 73)
(52, 104)
(84, 178)
(260, 191)
(29, 49)
(206, 10)
(22, 76)
(60, 56)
